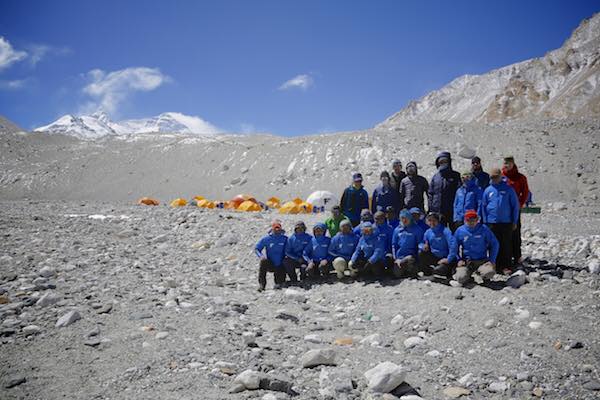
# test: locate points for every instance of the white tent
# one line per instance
(323, 198)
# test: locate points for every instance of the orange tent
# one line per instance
(240, 198)
(273, 202)
(179, 202)
(305, 207)
(290, 208)
(298, 200)
(198, 198)
(206, 203)
(148, 201)
(249, 206)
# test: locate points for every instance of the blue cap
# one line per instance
(415, 210)
(357, 177)
(366, 225)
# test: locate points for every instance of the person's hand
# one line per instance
(462, 263)
(514, 226)
(443, 261)
(493, 264)
(263, 257)
(426, 246)
(310, 266)
(323, 263)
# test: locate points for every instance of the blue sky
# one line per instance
(348, 65)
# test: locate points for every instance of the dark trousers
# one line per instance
(290, 266)
(267, 266)
(316, 269)
(516, 242)
(365, 268)
(447, 219)
(428, 262)
(504, 234)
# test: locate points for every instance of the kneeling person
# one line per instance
(478, 249)
(273, 245)
(316, 254)
(342, 247)
(438, 248)
(405, 244)
(294, 250)
(369, 256)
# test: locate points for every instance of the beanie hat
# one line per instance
(384, 174)
(471, 214)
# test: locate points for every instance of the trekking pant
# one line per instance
(504, 234)
(405, 267)
(427, 261)
(365, 268)
(483, 268)
(340, 265)
(316, 269)
(516, 242)
(267, 266)
(290, 266)
(447, 219)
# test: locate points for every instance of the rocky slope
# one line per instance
(565, 82)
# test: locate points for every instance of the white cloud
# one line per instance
(195, 124)
(110, 89)
(8, 55)
(303, 82)
(13, 85)
(39, 51)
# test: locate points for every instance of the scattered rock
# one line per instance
(384, 377)
(249, 379)
(161, 335)
(490, 323)
(413, 341)
(454, 392)
(316, 357)
(498, 387)
(516, 280)
(31, 330)
(47, 299)
(592, 385)
(105, 308)
(15, 381)
(295, 295)
(333, 381)
(535, 324)
(68, 319)
(47, 272)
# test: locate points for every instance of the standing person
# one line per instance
(438, 250)
(385, 195)
(392, 217)
(316, 254)
(442, 188)
(369, 256)
(354, 199)
(385, 232)
(342, 247)
(333, 222)
(482, 177)
(518, 182)
(365, 216)
(294, 250)
(478, 249)
(500, 211)
(413, 188)
(271, 260)
(396, 178)
(468, 197)
(405, 245)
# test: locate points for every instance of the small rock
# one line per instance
(372, 340)
(384, 377)
(397, 320)
(312, 358)
(345, 341)
(594, 266)
(4, 299)
(15, 381)
(516, 280)
(312, 338)
(49, 298)
(503, 301)
(47, 272)
(466, 380)
(282, 314)
(92, 342)
(333, 381)
(68, 319)
(433, 353)
(490, 323)
(249, 379)
(413, 341)
(31, 330)
(295, 295)
(535, 324)
(521, 313)
(161, 335)
(538, 392)
(498, 387)
(105, 309)
(454, 392)
(592, 385)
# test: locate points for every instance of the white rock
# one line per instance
(516, 280)
(413, 341)
(248, 338)
(397, 320)
(411, 397)
(333, 381)
(433, 353)
(227, 240)
(161, 335)
(384, 377)
(48, 299)
(372, 340)
(490, 323)
(498, 387)
(466, 152)
(521, 313)
(535, 324)
(594, 266)
(315, 357)
(269, 396)
(47, 272)
(295, 295)
(466, 380)
(68, 319)
(31, 330)
(312, 338)
(249, 379)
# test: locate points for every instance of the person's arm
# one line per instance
(307, 254)
(365, 200)
(288, 248)
(355, 254)
(374, 202)
(343, 201)
(333, 247)
(458, 240)
(424, 244)
(525, 192)
(494, 246)
(402, 193)
(394, 242)
(259, 248)
(456, 207)
(483, 207)
(379, 252)
(452, 245)
(516, 208)
(429, 192)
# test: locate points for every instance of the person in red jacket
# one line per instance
(518, 182)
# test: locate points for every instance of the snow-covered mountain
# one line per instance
(565, 82)
(99, 124)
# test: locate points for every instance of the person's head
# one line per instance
(471, 218)
(335, 211)
(411, 168)
(466, 176)
(357, 180)
(319, 229)
(397, 166)
(366, 228)
(390, 213)
(299, 227)
(385, 178)
(379, 217)
(345, 227)
(406, 218)
(433, 219)
(442, 161)
(365, 215)
(509, 163)
(276, 227)
(476, 164)
(416, 213)
(496, 175)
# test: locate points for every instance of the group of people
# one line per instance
(471, 231)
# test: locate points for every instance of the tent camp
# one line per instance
(206, 204)
(290, 208)
(240, 198)
(178, 202)
(305, 208)
(249, 206)
(273, 202)
(298, 200)
(148, 201)
(198, 198)
(323, 198)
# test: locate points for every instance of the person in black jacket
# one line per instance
(396, 177)
(442, 188)
(413, 188)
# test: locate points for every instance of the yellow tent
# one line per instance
(206, 204)
(198, 198)
(179, 202)
(290, 208)
(298, 200)
(249, 206)
(148, 201)
(305, 208)
(274, 202)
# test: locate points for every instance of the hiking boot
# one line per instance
(261, 289)
(440, 271)
(278, 286)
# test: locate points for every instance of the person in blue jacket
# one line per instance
(417, 215)
(500, 210)
(482, 177)
(392, 217)
(365, 216)
(477, 250)
(385, 232)
(316, 254)
(342, 247)
(354, 199)
(405, 245)
(368, 257)
(442, 188)
(270, 250)
(438, 250)
(294, 250)
(468, 197)
(385, 195)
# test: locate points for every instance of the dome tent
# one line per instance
(290, 208)
(273, 202)
(206, 204)
(178, 202)
(249, 206)
(240, 198)
(323, 198)
(148, 201)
